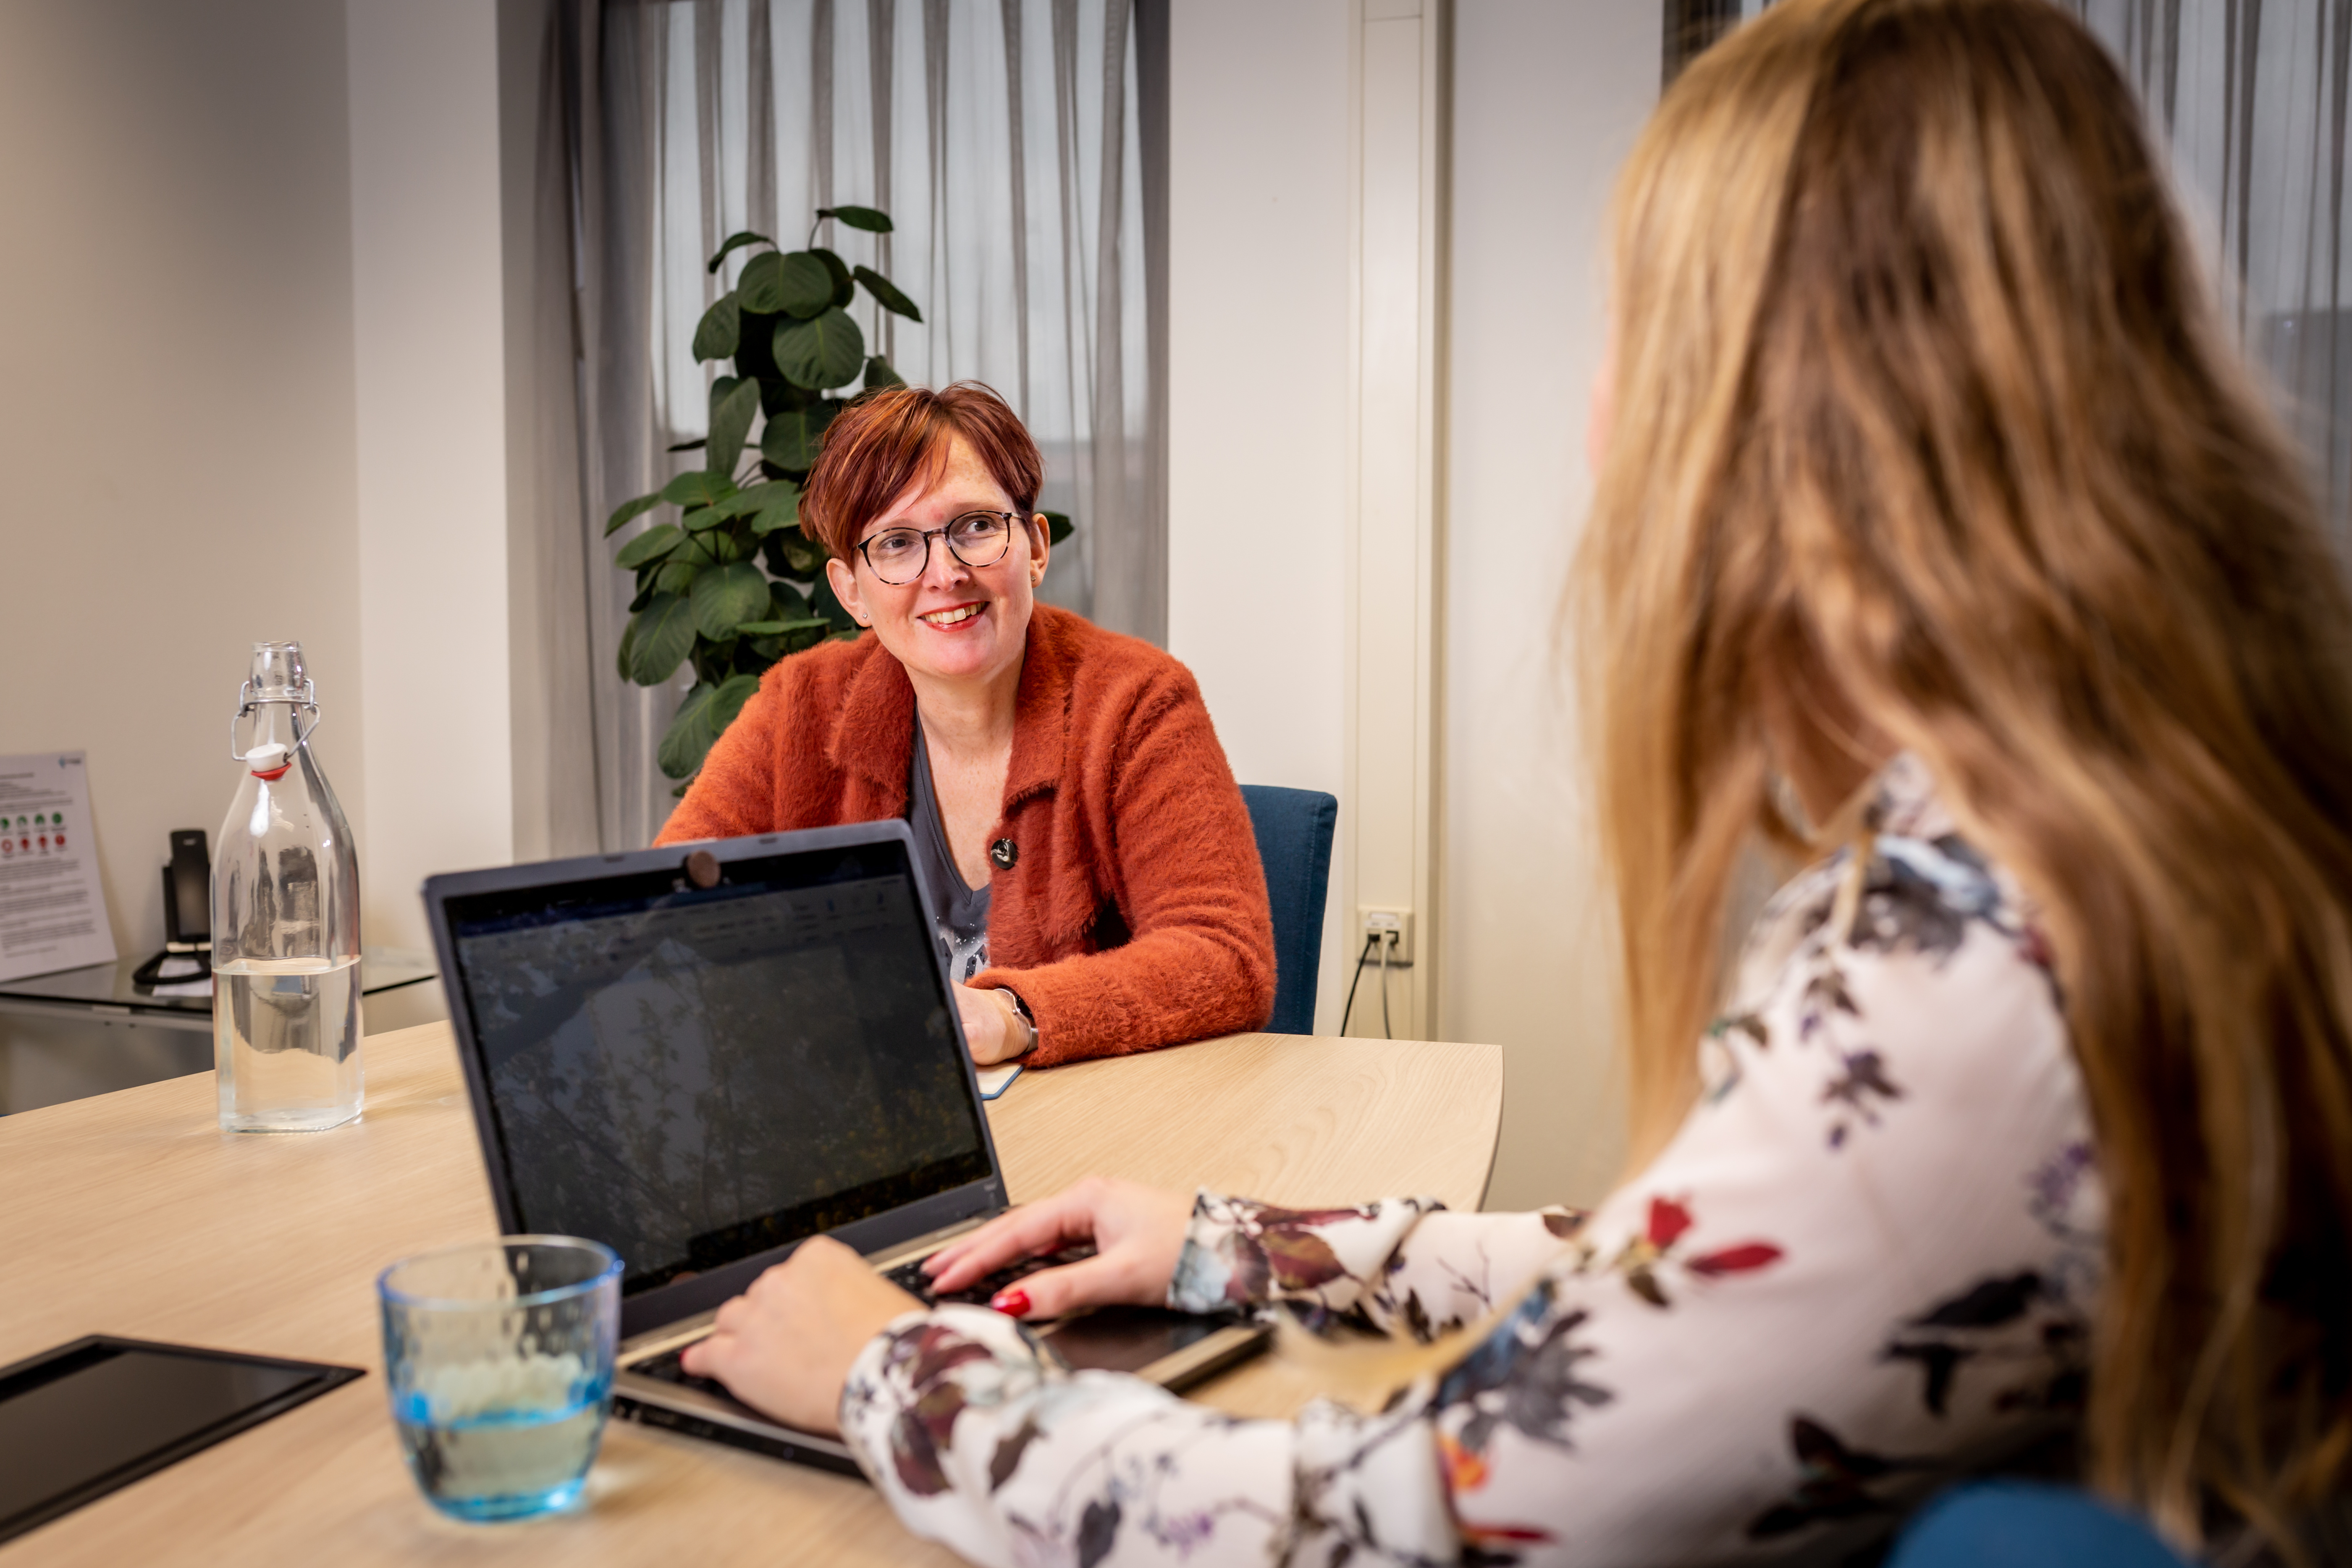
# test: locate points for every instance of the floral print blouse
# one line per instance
(1866, 1262)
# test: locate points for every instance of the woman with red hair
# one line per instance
(1092, 867)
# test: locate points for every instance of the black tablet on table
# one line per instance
(80, 1420)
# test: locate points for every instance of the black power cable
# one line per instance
(1361, 959)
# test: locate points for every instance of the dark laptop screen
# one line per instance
(692, 1076)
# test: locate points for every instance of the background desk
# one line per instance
(89, 1031)
(132, 1213)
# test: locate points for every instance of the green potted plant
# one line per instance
(732, 585)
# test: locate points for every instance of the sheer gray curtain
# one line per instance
(2249, 100)
(1019, 147)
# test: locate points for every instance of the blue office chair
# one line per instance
(1293, 828)
(2016, 1524)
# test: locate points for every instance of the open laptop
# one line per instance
(702, 1055)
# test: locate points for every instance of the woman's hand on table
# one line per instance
(1137, 1233)
(992, 1028)
(785, 1345)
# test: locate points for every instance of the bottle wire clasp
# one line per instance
(248, 703)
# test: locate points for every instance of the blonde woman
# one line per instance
(1939, 534)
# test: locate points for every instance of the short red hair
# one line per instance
(887, 440)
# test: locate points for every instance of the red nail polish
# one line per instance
(1012, 1303)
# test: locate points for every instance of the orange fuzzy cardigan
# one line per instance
(1135, 915)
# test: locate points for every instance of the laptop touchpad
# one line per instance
(1128, 1338)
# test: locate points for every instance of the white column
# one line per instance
(1389, 839)
(432, 453)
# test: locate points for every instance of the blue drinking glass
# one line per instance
(498, 1359)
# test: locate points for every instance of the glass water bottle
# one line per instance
(286, 919)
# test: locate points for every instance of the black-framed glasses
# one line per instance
(899, 555)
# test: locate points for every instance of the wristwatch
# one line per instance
(1021, 1011)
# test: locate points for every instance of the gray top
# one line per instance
(959, 912)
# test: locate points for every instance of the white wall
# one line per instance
(432, 480)
(177, 416)
(1547, 100)
(1257, 390)
(250, 387)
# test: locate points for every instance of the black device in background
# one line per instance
(188, 891)
(187, 914)
(81, 1420)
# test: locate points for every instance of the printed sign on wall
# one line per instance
(52, 910)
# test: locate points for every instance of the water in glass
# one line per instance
(498, 1358)
(287, 1043)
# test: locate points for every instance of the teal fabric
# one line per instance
(1293, 828)
(2012, 1525)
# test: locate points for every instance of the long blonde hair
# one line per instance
(1918, 393)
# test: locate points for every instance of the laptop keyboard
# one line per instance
(909, 1277)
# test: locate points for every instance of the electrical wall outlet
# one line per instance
(1392, 925)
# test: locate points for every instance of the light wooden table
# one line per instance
(131, 1214)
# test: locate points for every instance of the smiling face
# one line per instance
(958, 624)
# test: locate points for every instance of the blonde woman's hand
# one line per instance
(785, 1345)
(1137, 1232)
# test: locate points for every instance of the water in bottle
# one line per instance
(286, 926)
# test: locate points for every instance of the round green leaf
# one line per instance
(799, 284)
(735, 241)
(828, 350)
(758, 289)
(807, 284)
(731, 422)
(725, 598)
(1059, 527)
(845, 286)
(689, 739)
(777, 629)
(700, 487)
(720, 329)
(866, 219)
(887, 292)
(778, 506)
(677, 575)
(879, 374)
(791, 437)
(728, 701)
(651, 546)
(660, 637)
(629, 508)
(628, 637)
